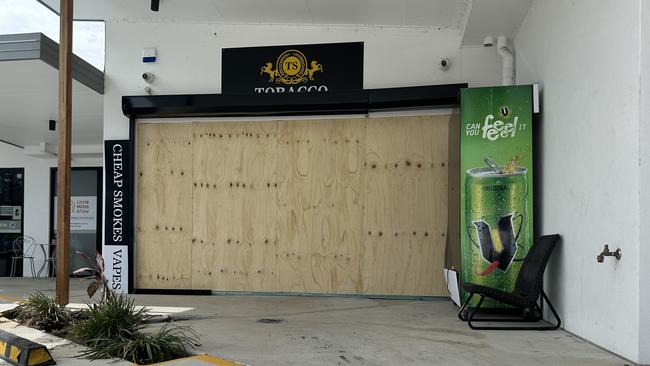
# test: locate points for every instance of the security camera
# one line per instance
(444, 64)
(148, 77)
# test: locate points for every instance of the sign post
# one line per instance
(64, 151)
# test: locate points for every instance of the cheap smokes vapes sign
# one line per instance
(117, 227)
(496, 184)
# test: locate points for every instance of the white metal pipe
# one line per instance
(508, 60)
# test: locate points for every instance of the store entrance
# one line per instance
(85, 213)
(11, 216)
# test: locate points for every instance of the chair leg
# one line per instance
(549, 327)
(555, 314)
(13, 267)
(31, 262)
(471, 314)
(462, 313)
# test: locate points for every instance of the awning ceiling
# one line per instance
(29, 93)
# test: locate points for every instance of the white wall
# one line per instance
(644, 137)
(36, 193)
(190, 57)
(585, 53)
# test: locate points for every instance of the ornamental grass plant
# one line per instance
(42, 312)
(112, 327)
(115, 327)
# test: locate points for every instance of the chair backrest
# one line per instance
(24, 245)
(529, 280)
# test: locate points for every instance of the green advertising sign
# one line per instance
(496, 185)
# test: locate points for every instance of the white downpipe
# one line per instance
(508, 60)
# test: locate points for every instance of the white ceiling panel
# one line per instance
(419, 13)
(494, 18)
(261, 11)
(378, 12)
(445, 14)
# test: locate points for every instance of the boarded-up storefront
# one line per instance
(339, 206)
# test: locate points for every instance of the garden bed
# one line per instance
(111, 328)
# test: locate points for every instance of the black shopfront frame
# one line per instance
(363, 101)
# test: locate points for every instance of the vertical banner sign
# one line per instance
(496, 185)
(118, 235)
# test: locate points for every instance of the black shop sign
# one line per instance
(118, 239)
(118, 215)
(292, 69)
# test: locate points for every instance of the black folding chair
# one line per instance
(528, 290)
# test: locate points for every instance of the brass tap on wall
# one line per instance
(606, 253)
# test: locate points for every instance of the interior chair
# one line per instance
(24, 247)
(526, 295)
(50, 260)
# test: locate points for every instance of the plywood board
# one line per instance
(235, 206)
(319, 205)
(405, 199)
(164, 206)
(210, 206)
(343, 206)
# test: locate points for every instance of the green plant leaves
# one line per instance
(96, 273)
(169, 343)
(42, 312)
(111, 328)
(114, 328)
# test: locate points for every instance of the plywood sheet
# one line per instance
(405, 199)
(235, 206)
(164, 206)
(317, 206)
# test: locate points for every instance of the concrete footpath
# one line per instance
(66, 352)
(265, 330)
